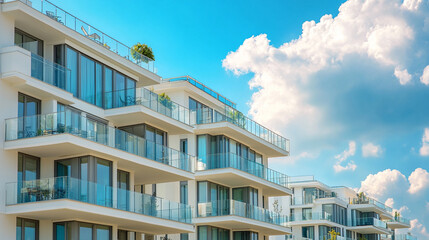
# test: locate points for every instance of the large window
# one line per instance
(28, 167)
(324, 231)
(308, 232)
(247, 195)
(28, 42)
(213, 199)
(27, 229)
(203, 113)
(28, 121)
(81, 230)
(335, 213)
(95, 82)
(92, 174)
(245, 235)
(212, 233)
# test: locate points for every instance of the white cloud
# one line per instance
(411, 4)
(402, 75)
(419, 180)
(389, 202)
(425, 76)
(342, 157)
(424, 149)
(418, 229)
(383, 183)
(365, 33)
(371, 150)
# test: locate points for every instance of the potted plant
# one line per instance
(142, 53)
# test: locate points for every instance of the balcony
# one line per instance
(405, 237)
(231, 214)
(203, 88)
(59, 24)
(234, 171)
(70, 133)
(369, 225)
(65, 198)
(243, 129)
(300, 202)
(35, 75)
(133, 106)
(367, 204)
(313, 218)
(398, 222)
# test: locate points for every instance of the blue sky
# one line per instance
(349, 89)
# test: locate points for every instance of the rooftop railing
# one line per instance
(200, 116)
(231, 160)
(148, 99)
(70, 122)
(63, 17)
(97, 194)
(241, 209)
(204, 88)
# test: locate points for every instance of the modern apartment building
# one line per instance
(316, 209)
(96, 145)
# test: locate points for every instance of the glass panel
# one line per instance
(123, 187)
(202, 149)
(103, 232)
(85, 231)
(84, 177)
(104, 176)
(71, 63)
(99, 84)
(60, 231)
(18, 228)
(87, 79)
(108, 88)
(120, 98)
(30, 230)
(202, 233)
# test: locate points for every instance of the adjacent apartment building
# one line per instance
(96, 145)
(316, 209)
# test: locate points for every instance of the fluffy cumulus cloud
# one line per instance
(419, 181)
(419, 229)
(371, 150)
(382, 183)
(424, 149)
(402, 75)
(425, 76)
(342, 158)
(371, 48)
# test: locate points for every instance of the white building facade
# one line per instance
(316, 209)
(96, 145)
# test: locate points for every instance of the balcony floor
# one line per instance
(65, 210)
(237, 223)
(65, 145)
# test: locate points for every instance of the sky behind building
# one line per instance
(346, 81)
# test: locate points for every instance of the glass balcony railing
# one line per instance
(148, 99)
(368, 221)
(367, 200)
(63, 17)
(74, 123)
(50, 72)
(202, 116)
(311, 216)
(204, 88)
(241, 209)
(93, 193)
(400, 219)
(231, 160)
(310, 199)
